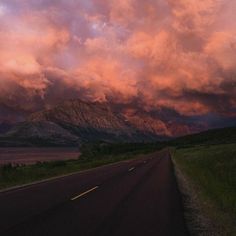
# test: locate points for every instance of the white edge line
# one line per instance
(84, 193)
(28, 185)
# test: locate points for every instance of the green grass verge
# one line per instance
(18, 175)
(212, 170)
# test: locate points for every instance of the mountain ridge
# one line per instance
(75, 121)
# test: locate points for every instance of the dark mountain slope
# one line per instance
(5, 127)
(75, 121)
(89, 121)
(41, 133)
(214, 136)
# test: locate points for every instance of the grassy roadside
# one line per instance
(94, 156)
(211, 170)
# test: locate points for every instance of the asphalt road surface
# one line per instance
(132, 198)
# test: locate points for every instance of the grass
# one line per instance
(94, 156)
(212, 170)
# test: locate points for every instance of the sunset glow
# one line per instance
(168, 56)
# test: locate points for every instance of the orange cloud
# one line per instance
(175, 54)
(222, 47)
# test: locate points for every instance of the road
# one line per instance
(131, 198)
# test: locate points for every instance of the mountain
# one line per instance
(40, 133)
(74, 122)
(148, 125)
(5, 127)
(85, 119)
(209, 137)
(89, 121)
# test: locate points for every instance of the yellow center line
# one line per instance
(84, 193)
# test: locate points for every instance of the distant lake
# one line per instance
(30, 156)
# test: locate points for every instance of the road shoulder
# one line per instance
(197, 222)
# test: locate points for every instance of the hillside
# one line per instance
(90, 121)
(74, 122)
(40, 133)
(5, 127)
(214, 136)
(209, 184)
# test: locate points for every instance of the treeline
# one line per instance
(94, 150)
(209, 137)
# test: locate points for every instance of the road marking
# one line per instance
(84, 193)
(131, 169)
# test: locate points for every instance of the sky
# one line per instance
(174, 58)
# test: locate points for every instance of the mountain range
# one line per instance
(74, 122)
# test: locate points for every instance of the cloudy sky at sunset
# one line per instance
(170, 56)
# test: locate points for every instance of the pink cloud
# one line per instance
(176, 54)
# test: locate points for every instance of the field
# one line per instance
(208, 162)
(94, 155)
(28, 156)
(212, 172)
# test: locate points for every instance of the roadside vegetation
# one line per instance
(207, 160)
(93, 155)
(211, 170)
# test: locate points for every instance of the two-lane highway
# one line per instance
(137, 197)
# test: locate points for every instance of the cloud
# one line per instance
(222, 47)
(175, 54)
